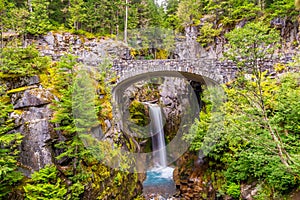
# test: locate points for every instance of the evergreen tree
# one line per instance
(77, 14)
(20, 62)
(171, 20)
(9, 142)
(38, 22)
(45, 184)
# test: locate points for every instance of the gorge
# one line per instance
(199, 101)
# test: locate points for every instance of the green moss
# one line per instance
(21, 89)
(138, 113)
(279, 67)
(18, 112)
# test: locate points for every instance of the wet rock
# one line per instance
(35, 152)
(89, 51)
(97, 132)
(59, 37)
(166, 101)
(33, 97)
(248, 191)
(174, 97)
(190, 180)
(90, 58)
(295, 195)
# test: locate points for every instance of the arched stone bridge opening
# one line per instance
(191, 69)
(205, 72)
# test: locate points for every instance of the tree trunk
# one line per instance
(126, 22)
(276, 140)
(29, 6)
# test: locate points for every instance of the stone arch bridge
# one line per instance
(211, 70)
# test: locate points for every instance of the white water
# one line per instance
(159, 179)
(158, 137)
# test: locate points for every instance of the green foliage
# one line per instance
(268, 150)
(245, 11)
(189, 12)
(19, 62)
(260, 135)
(171, 20)
(83, 102)
(9, 142)
(77, 13)
(151, 43)
(200, 127)
(249, 44)
(77, 112)
(45, 184)
(208, 34)
(57, 12)
(282, 8)
(138, 113)
(246, 149)
(234, 190)
(38, 22)
(107, 17)
(14, 18)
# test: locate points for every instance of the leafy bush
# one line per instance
(246, 150)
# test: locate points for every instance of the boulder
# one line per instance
(33, 97)
(17, 82)
(49, 38)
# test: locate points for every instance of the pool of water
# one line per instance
(159, 181)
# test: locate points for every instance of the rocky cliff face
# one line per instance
(91, 52)
(32, 116)
(192, 180)
(188, 48)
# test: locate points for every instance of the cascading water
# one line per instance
(158, 137)
(160, 177)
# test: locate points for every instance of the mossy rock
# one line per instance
(139, 113)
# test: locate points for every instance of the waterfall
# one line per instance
(160, 178)
(158, 138)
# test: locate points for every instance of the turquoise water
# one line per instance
(160, 181)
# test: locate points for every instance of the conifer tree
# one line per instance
(38, 21)
(45, 184)
(9, 142)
